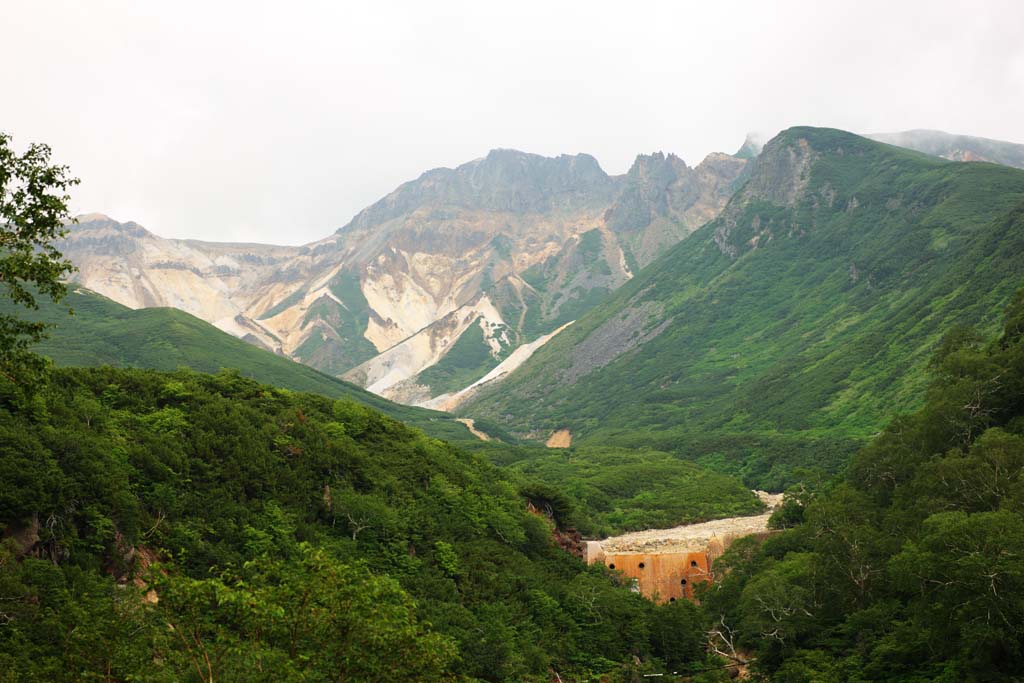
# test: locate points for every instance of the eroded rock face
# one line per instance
(127, 263)
(513, 243)
(779, 177)
(663, 200)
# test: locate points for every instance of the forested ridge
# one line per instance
(183, 526)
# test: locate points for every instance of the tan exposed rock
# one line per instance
(515, 359)
(688, 538)
(561, 438)
(471, 426)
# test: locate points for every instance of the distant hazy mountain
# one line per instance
(956, 147)
(785, 331)
(433, 286)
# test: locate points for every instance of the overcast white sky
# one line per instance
(277, 121)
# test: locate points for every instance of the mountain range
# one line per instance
(430, 288)
(956, 147)
(783, 332)
(455, 279)
(844, 279)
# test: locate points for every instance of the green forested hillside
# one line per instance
(103, 332)
(612, 490)
(189, 527)
(911, 567)
(786, 331)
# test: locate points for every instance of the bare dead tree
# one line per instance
(722, 642)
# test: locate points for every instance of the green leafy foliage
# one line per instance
(611, 490)
(33, 212)
(910, 567)
(190, 527)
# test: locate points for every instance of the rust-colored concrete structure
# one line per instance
(665, 565)
(660, 576)
(664, 578)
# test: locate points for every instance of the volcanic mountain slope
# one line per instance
(798, 319)
(506, 248)
(130, 265)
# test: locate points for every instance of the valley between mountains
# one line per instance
(520, 417)
(749, 301)
(433, 287)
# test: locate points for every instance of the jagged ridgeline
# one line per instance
(786, 330)
(430, 288)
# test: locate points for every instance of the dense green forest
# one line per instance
(612, 490)
(784, 333)
(910, 567)
(184, 526)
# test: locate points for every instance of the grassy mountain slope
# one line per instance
(785, 331)
(909, 567)
(103, 332)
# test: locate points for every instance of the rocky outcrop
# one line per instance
(560, 438)
(614, 337)
(778, 177)
(663, 200)
(127, 263)
(408, 358)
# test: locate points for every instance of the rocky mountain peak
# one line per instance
(657, 168)
(782, 169)
(505, 180)
(101, 234)
(779, 175)
(517, 181)
(93, 222)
